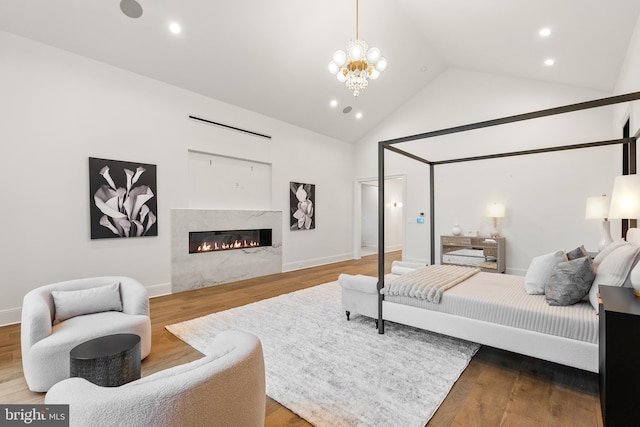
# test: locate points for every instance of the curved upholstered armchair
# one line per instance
(225, 388)
(83, 309)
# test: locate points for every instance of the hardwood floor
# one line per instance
(498, 388)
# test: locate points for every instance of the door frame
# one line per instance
(357, 210)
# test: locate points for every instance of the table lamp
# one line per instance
(495, 210)
(625, 204)
(598, 208)
(625, 198)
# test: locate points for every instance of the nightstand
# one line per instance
(619, 355)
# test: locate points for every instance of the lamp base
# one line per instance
(606, 235)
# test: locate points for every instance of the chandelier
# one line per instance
(359, 64)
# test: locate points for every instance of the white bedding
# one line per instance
(501, 299)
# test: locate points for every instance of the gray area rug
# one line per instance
(334, 372)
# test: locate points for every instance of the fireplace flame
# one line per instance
(238, 244)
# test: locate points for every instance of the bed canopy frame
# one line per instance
(390, 145)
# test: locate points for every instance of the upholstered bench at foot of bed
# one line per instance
(359, 295)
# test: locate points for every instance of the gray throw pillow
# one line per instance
(578, 252)
(570, 282)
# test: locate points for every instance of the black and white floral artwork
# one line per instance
(302, 199)
(122, 199)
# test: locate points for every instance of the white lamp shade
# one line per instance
(597, 207)
(495, 210)
(625, 198)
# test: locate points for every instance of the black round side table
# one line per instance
(108, 361)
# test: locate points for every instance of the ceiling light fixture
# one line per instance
(549, 62)
(545, 32)
(359, 64)
(334, 103)
(175, 28)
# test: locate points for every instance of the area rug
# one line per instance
(334, 372)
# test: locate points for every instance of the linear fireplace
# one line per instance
(190, 271)
(211, 241)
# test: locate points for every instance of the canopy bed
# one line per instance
(477, 307)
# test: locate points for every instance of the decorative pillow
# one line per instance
(613, 270)
(540, 271)
(606, 251)
(570, 282)
(70, 304)
(578, 252)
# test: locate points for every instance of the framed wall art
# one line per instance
(302, 200)
(123, 199)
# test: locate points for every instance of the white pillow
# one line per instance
(606, 251)
(613, 270)
(70, 304)
(540, 270)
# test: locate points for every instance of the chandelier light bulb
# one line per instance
(374, 74)
(340, 58)
(355, 52)
(373, 55)
(333, 67)
(381, 65)
(341, 77)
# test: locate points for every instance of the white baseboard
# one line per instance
(315, 262)
(10, 316)
(159, 290)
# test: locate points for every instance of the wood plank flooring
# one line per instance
(497, 389)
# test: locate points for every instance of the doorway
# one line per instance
(366, 215)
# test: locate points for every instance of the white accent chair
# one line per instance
(225, 388)
(46, 346)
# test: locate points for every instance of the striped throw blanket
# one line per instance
(428, 283)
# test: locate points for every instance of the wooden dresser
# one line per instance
(484, 252)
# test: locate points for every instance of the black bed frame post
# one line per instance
(380, 234)
(432, 213)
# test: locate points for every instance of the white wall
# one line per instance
(218, 182)
(58, 109)
(545, 195)
(629, 81)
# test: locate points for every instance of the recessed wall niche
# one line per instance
(220, 182)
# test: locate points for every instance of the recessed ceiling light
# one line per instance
(549, 62)
(334, 103)
(358, 115)
(174, 27)
(545, 32)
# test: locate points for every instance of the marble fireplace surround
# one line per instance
(199, 270)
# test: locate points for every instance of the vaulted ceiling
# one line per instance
(271, 56)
